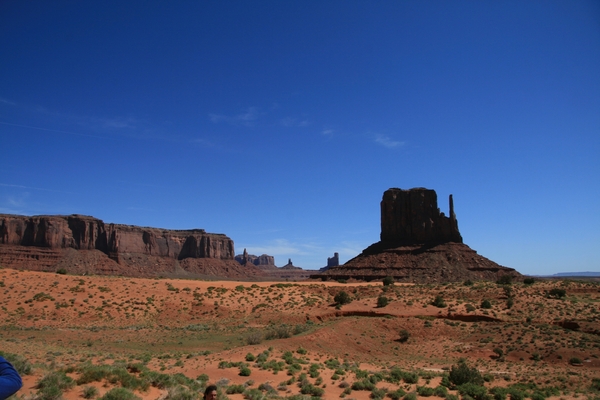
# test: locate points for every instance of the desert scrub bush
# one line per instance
(397, 394)
(388, 281)
(440, 391)
(469, 307)
(410, 396)
(528, 281)
(382, 301)
(119, 393)
(19, 362)
(505, 280)
(51, 386)
(89, 392)
(556, 293)
(516, 394)
(499, 392)
(439, 302)
(473, 390)
(486, 304)
(254, 337)
(233, 389)
(254, 394)
(342, 298)
(425, 391)
(410, 377)
(461, 374)
(245, 371)
(309, 388)
(250, 357)
(377, 393)
(575, 361)
(180, 393)
(404, 336)
(364, 384)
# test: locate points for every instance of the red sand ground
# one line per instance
(62, 320)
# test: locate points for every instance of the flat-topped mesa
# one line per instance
(89, 233)
(412, 216)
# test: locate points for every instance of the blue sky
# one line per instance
(281, 124)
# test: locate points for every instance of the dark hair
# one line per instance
(209, 389)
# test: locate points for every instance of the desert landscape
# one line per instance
(93, 336)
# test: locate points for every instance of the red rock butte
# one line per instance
(86, 245)
(418, 244)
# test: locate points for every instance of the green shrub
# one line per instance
(119, 393)
(538, 396)
(89, 392)
(377, 393)
(254, 337)
(440, 391)
(461, 374)
(410, 377)
(469, 307)
(404, 336)
(253, 394)
(396, 394)
(388, 281)
(439, 302)
(410, 396)
(499, 393)
(180, 392)
(382, 301)
(61, 271)
(529, 281)
(476, 391)
(233, 389)
(250, 357)
(505, 280)
(516, 394)
(245, 371)
(312, 390)
(342, 298)
(425, 391)
(486, 304)
(575, 360)
(557, 293)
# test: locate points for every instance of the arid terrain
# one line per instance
(163, 338)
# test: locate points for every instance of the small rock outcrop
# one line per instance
(83, 244)
(418, 244)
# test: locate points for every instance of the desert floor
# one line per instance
(276, 339)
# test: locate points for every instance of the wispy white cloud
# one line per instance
(246, 118)
(290, 122)
(50, 130)
(117, 122)
(386, 141)
(327, 132)
(33, 188)
(7, 102)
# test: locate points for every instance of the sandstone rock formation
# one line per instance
(83, 244)
(267, 265)
(418, 244)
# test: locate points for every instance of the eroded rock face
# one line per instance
(412, 216)
(41, 243)
(418, 244)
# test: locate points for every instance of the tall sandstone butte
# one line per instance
(418, 244)
(83, 244)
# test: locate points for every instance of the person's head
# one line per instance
(210, 393)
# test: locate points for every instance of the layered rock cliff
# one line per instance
(418, 244)
(43, 242)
